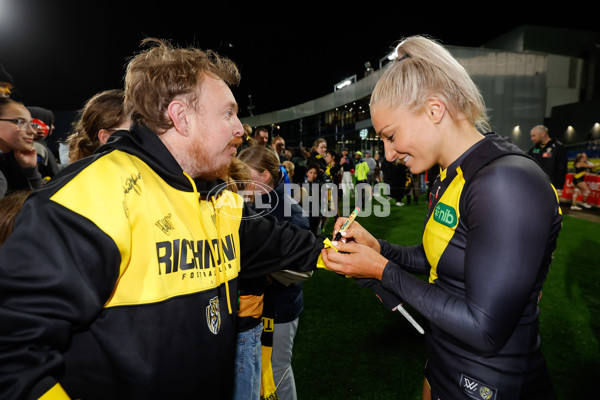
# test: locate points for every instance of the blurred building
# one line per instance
(531, 75)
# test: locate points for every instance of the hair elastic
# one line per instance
(403, 57)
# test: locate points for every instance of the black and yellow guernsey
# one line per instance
(120, 279)
(489, 234)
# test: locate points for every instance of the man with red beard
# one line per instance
(131, 291)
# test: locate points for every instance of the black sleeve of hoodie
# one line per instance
(56, 272)
(268, 245)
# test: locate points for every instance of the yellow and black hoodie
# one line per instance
(120, 279)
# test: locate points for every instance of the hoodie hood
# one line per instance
(145, 144)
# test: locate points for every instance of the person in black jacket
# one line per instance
(132, 293)
(550, 154)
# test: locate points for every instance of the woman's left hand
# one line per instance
(26, 158)
(354, 260)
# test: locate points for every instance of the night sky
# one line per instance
(59, 53)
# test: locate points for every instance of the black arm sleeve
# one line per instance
(411, 258)
(510, 210)
(269, 245)
(56, 272)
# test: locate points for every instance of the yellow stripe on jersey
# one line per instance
(175, 245)
(442, 223)
(55, 393)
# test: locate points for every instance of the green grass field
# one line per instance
(349, 346)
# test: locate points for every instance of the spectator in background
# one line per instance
(394, 174)
(313, 191)
(283, 299)
(550, 154)
(43, 123)
(247, 139)
(317, 157)
(582, 166)
(251, 291)
(361, 168)
(101, 116)
(372, 166)
(334, 169)
(299, 158)
(6, 83)
(18, 158)
(261, 136)
(347, 165)
(278, 146)
(377, 158)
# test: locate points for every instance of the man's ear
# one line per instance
(103, 135)
(177, 113)
(435, 109)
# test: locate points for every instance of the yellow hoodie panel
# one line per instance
(176, 251)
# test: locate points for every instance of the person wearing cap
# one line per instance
(361, 168)
(6, 82)
(7, 86)
(43, 124)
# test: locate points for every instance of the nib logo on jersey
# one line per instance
(195, 259)
(445, 215)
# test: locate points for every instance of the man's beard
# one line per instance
(198, 164)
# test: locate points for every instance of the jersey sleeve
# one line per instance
(511, 213)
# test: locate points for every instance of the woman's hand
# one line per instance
(356, 233)
(26, 158)
(354, 260)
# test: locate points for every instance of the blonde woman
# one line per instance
(488, 239)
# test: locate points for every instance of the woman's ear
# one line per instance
(177, 113)
(103, 135)
(435, 109)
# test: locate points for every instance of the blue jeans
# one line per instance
(248, 364)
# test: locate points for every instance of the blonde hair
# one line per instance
(238, 175)
(424, 68)
(157, 76)
(289, 166)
